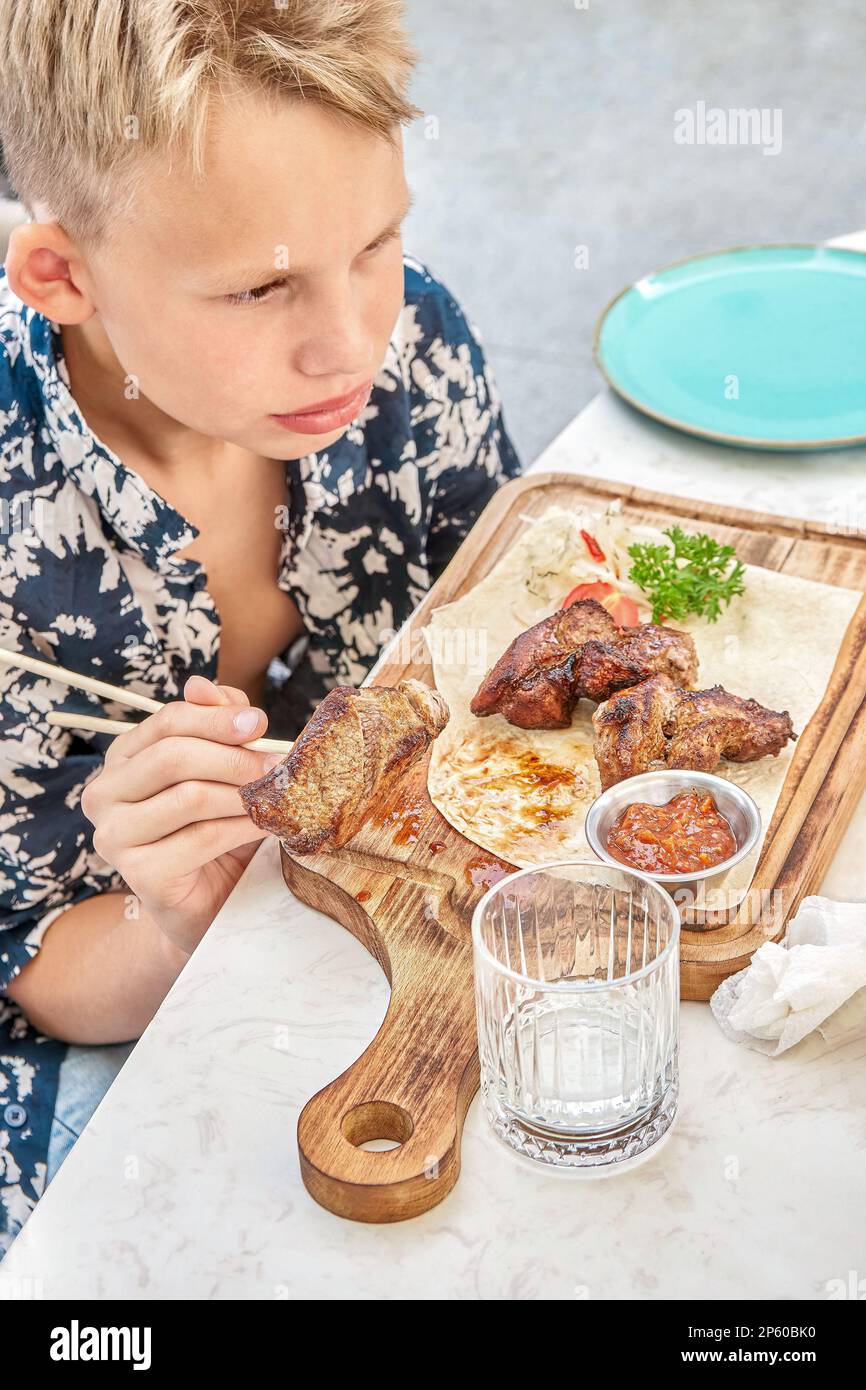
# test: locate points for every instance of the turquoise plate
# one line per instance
(763, 346)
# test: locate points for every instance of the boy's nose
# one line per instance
(337, 343)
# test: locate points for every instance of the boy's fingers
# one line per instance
(201, 691)
(190, 849)
(221, 724)
(173, 761)
(171, 810)
(233, 695)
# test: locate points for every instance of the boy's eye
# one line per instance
(263, 292)
(381, 241)
(257, 295)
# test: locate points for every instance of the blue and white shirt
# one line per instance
(91, 577)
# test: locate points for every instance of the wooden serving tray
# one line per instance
(407, 884)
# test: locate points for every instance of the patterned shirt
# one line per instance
(92, 577)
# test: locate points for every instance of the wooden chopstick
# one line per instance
(94, 687)
(95, 724)
(91, 722)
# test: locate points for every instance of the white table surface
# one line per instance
(186, 1182)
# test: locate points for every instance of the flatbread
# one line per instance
(523, 794)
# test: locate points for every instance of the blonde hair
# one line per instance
(88, 86)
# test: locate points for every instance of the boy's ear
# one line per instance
(42, 266)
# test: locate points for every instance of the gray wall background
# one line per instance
(556, 130)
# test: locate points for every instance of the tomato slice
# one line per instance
(624, 611)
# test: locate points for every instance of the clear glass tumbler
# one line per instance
(577, 993)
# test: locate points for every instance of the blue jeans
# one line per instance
(85, 1075)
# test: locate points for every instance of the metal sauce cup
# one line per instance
(657, 788)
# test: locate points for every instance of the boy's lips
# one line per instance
(325, 416)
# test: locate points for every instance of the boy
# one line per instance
(240, 434)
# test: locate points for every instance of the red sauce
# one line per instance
(483, 873)
(408, 832)
(363, 895)
(686, 835)
(546, 787)
(436, 846)
(405, 822)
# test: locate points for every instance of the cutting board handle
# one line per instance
(410, 1087)
(413, 1084)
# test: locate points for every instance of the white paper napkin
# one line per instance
(791, 988)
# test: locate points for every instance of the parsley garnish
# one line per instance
(695, 574)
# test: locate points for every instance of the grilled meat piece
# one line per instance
(639, 652)
(578, 652)
(532, 682)
(346, 760)
(630, 729)
(663, 650)
(656, 724)
(714, 724)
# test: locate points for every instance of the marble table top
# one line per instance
(186, 1182)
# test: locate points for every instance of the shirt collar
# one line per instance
(144, 521)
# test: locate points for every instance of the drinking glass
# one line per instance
(577, 995)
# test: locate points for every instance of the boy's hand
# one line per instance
(166, 811)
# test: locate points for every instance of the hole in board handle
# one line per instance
(378, 1126)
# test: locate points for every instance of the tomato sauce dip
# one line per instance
(685, 836)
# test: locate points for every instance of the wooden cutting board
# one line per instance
(407, 884)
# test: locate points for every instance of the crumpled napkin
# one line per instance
(791, 988)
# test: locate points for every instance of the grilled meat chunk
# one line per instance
(630, 729)
(531, 683)
(603, 667)
(578, 653)
(714, 724)
(664, 651)
(345, 762)
(656, 724)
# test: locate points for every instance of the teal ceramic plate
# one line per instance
(763, 346)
